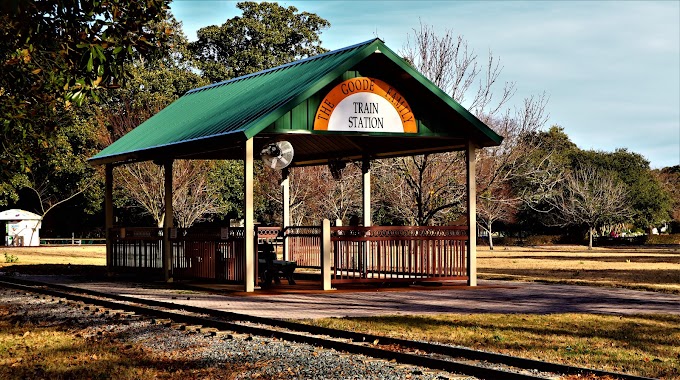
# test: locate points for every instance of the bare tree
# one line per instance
(316, 195)
(48, 198)
(590, 197)
(431, 187)
(195, 197)
(501, 166)
(422, 190)
(339, 198)
(451, 65)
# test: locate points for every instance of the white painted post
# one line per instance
(249, 220)
(366, 182)
(285, 187)
(472, 215)
(326, 255)
(366, 191)
(167, 223)
(108, 215)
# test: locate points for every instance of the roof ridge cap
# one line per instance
(314, 57)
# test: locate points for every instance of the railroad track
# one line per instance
(480, 364)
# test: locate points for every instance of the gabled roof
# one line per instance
(219, 116)
(16, 214)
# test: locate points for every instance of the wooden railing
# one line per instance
(398, 253)
(303, 245)
(357, 253)
(204, 253)
(384, 253)
(137, 247)
(208, 253)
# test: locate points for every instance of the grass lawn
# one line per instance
(644, 268)
(645, 345)
(70, 254)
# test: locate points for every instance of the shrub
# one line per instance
(664, 239)
(525, 241)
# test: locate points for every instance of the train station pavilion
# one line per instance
(358, 103)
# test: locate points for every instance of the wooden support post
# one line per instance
(249, 222)
(108, 215)
(326, 255)
(471, 215)
(366, 182)
(365, 253)
(285, 192)
(168, 223)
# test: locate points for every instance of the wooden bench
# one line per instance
(271, 269)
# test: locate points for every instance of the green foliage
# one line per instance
(649, 202)
(11, 258)
(669, 179)
(265, 36)
(53, 53)
(647, 198)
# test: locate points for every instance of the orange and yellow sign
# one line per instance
(365, 105)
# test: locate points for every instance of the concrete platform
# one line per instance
(489, 297)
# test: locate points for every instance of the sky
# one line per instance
(611, 69)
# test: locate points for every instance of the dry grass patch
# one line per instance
(73, 254)
(656, 269)
(48, 351)
(645, 345)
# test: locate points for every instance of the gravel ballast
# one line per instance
(259, 357)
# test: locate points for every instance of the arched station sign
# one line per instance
(365, 105)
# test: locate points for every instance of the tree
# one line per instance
(438, 191)
(500, 168)
(265, 36)
(430, 187)
(314, 193)
(55, 52)
(422, 190)
(591, 197)
(649, 203)
(669, 179)
(196, 195)
(451, 65)
(61, 173)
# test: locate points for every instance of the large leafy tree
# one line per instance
(54, 53)
(201, 189)
(669, 178)
(265, 36)
(646, 197)
(647, 202)
(60, 174)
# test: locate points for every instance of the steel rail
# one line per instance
(227, 321)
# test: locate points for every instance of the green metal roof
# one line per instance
(210, 118)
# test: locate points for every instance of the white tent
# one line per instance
(22, 228)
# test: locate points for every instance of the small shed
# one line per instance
(22, 228)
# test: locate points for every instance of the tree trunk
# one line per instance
(590, 239)
(490, 239)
